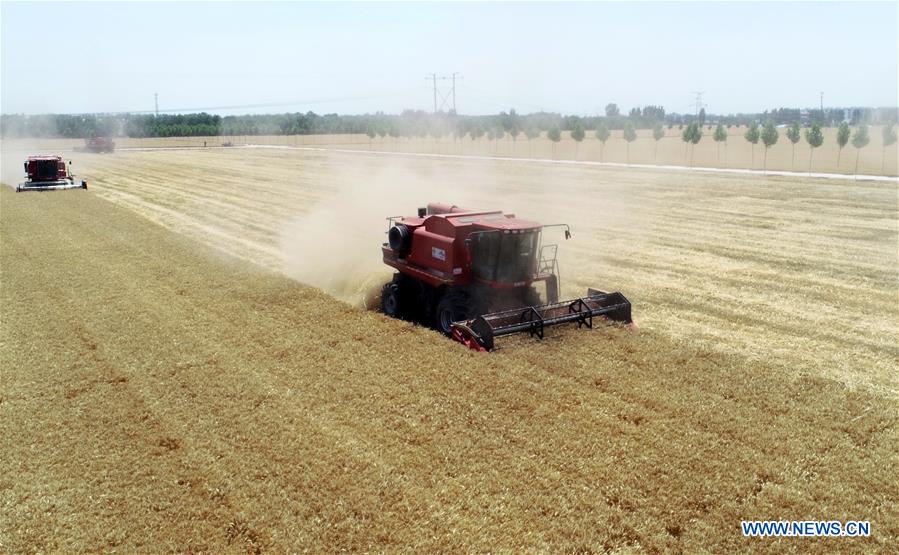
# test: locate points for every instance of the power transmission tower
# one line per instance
(697, 104)
(433, 77)
(447, 97)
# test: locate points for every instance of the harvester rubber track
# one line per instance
(479, 333)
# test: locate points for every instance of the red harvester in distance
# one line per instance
(47, 173)
(474, 274)
(98, 145)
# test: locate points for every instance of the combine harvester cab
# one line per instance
(48, 173)
(473, 275)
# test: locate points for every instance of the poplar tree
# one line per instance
(860, 140)
(602, 133)
(769, 139)
(794, 136)
(752, 135)
(815, 138)
(630, 135)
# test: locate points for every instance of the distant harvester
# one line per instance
(97, 144)
(47, 173)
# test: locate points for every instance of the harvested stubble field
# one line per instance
(167, 387)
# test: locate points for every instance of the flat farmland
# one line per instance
(171, 380)
(735, 153)
(805, 268)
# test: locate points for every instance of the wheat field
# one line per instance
(189, 364)
(809, 255)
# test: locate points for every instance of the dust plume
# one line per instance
(336, 244)
(12, 155)
(11, 171)
(14, 150)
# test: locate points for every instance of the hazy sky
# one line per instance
(356, 58)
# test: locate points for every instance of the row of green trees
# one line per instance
(692, 134)
(410, 123)
(421, 124)
(767, 133)
(814, 136)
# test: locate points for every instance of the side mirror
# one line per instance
(567, 234)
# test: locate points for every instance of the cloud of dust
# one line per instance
(607, 223)
(13, 153)
(608, 216)
(336, 244)
(11, 170)
(14, 150)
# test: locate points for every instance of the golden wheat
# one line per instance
(169, 391)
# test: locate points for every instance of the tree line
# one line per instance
(421, 124)
(410, 123)
(768, 134)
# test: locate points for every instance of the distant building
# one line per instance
(850, 115)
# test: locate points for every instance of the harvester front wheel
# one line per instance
(451, 308)
(391, 302)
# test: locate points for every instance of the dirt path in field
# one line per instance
(156, 398)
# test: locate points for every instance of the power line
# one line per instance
(489, 97)
(258, 105)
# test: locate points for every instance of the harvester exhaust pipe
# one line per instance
(443, 208)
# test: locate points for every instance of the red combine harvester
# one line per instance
(97, 144)
(472, 275)
(47, 173)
